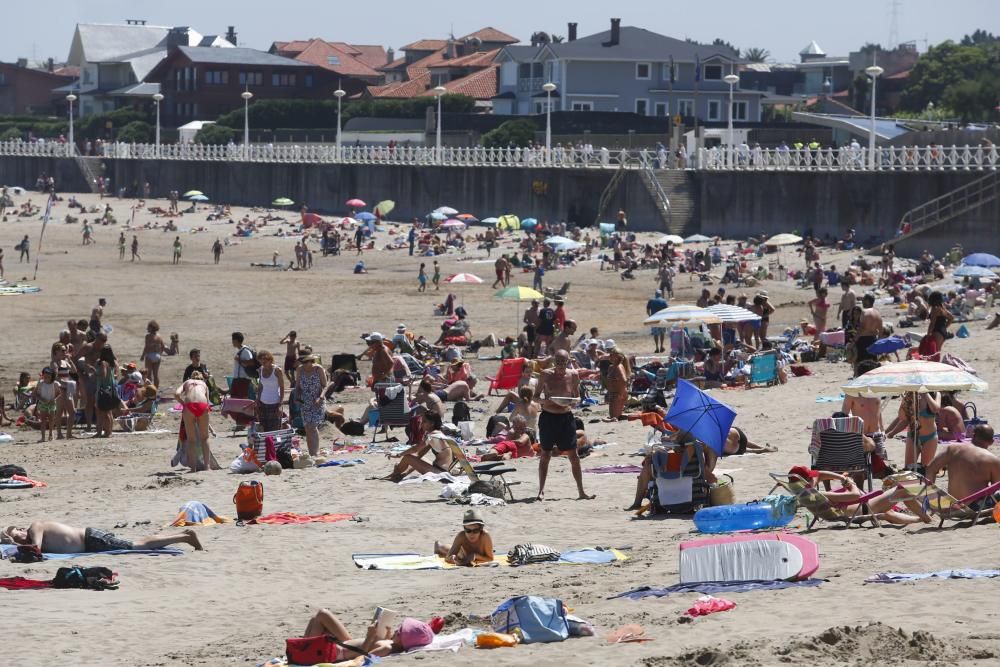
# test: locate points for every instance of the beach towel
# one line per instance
(830, 399)
(709, 587)
(839, 424)
(282, 518)
(616, 469)
(893, 577)
(414, 561)
(194, 513)
(428, 477)
(709, 605)
(450, 642)
(22, 584)
(597, 556)
(340, 462)
(8, 550)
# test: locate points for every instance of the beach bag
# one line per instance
(461, 413)
(249, 500)
(963, 332)
(253, 367)
(537, 620)
(107, 398)
(312, 650)
(527, 554)
(94, 578)
(974, 421)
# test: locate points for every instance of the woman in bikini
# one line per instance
(928, 405)
(65, 370)
(193, 395)
(152, 351)
(940, 320)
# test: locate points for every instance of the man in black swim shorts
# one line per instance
(559, 388)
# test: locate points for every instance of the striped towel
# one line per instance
(840, 424)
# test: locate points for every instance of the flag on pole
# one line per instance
(41, 234)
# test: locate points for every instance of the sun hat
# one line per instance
(307, 356)
(610, 344)
(804, 472)
(414, 634)
(135, 377)
(400, 328)
(472, 517)
(374, 337)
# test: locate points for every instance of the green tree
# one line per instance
(11, 134)
(215, 134)
(136, 132)
(964, 78)
(511, 133)
(718, 41)
(756, 54)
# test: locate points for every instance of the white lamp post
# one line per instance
(874, 72)
(246, 95)
(732, 80)
(438, 91)
(548, 88)
(157, 98)
(71, 98)
(339, 94)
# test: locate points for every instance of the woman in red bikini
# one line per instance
(193, 395)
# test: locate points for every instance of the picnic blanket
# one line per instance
(194, 513)
(282, 518)
(415, 561)
(8, 550)
(709, 587)
(893, 577)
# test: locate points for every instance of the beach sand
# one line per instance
(256, 585)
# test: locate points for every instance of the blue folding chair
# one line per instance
(764, 369)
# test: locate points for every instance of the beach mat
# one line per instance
(893, 577)
(414, 561)
(712, 587)
(8, 550)
(286, 518)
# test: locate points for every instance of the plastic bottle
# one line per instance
(730, 518)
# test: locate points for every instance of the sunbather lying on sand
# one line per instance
(433, 440)
(410, 635)
(473, 545)
(58, 538)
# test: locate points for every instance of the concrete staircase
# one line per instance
(948, 207)
(90, 167)
(680, 208)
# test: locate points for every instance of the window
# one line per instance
(251, 79)
(712, 73)
(282, 80)
(333, 60)
(540, 107)
(642, 70)
(583, 106)
(87, 77)
(524, 71)
(714, 109)
(739, 110)
(537, 70)
(661, 110)
(307, 80)
(642, 107)
(216, 77)
(685, 108)
(665, 72)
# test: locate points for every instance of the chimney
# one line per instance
(178, 37)
(449, 51)
(390, 56)
(571, 32)
(616, 32)
(50, 65)
(231, 35)
(22, 62)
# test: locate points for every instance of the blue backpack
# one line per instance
(539, 620)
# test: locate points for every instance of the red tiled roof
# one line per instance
(425, 45)
(403, 89)
(480, 59)
(398, 63)
(481, 85)
(900, 75)
(68, 70)
(490, 34)
(372, 55)
(317, 52)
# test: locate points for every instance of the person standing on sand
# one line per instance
(436, 278)
(193, 395)
(498, 267)
(217, 250)
(177, 250)
(422, 278)
(848, 300)
(292, 351)
(135, 248)
(121, 246)
(359, 239)
(58, 538)
(25, 247)
(309, 387)
(1, 263)
(152, 351)
(556, 426)
(818, 308)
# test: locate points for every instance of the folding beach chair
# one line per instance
(392, 408)
(764, 369)
(507, 375)
(837, 445)
(946, 507)
(492, 469)
(679, 485)
(139, 421)
(257, 441)
(819, 506)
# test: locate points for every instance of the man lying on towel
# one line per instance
(58, 538)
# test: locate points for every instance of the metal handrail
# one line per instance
(650, 175)
(951, 204)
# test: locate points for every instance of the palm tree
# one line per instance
(756, 54)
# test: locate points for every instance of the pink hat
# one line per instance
(414, 634)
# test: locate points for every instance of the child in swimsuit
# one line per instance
(47, 394)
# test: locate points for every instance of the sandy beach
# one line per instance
(256, 585)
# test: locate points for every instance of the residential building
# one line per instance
(624, 69)
(114, 60)
(26, 90)
(357, 61)
(202, 82)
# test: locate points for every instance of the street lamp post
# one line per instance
(71, 98)
(874, 72)
(339, 94)
(438, 91)
(246, 95)
(732, 80)
(548, 88)
(157, 98)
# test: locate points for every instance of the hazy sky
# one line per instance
(43, 29)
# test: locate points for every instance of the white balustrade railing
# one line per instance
(846, 158)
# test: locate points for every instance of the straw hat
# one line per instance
(472, 518)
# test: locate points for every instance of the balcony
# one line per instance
(530, 85)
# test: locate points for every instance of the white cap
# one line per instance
(135, 377)
(374, 337)
(610, 344)
(400, 327)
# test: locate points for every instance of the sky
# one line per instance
(783, 27)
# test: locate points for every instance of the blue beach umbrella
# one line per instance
(981, 259)
(365, 216)
(199, 198)
(702, 416)
(889, 345)
(970, 271)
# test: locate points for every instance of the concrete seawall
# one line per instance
(730, 204)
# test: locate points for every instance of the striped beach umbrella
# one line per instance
(728, 313)
(914, 376)
(682, 314)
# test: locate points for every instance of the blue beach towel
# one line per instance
(8, 550)
(712, 587)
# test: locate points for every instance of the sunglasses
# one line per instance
(473, 530)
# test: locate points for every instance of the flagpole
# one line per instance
(41, 234)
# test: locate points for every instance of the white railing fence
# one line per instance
(847, 158)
